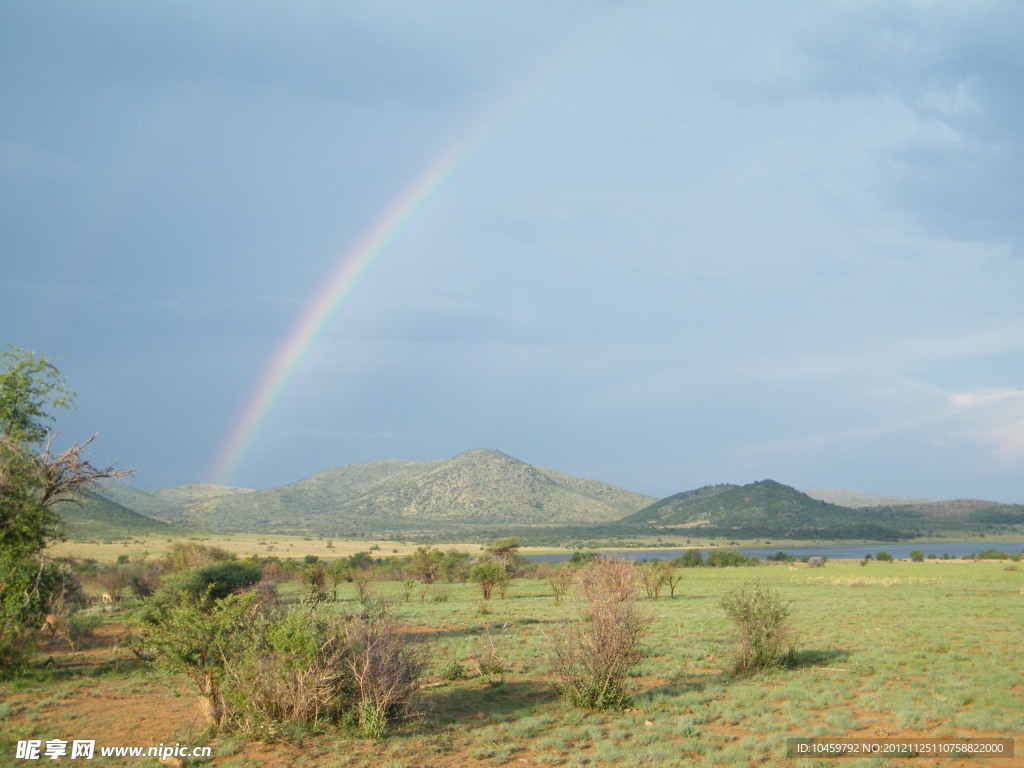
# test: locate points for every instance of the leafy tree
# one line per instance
(506, 550)
(455, 565)
(360, 560)
(30, 388)
(691, 558)
(489, 575)
(425, 563)
(916, 556)
(582, 558)
(33, 480)
(338, 571)
(314, 577)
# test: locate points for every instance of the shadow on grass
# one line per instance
(815, 658)
(419, 635)
(71, 668)
(465, 702)
(809, 659)
(685, 684)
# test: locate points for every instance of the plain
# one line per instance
(924, 650)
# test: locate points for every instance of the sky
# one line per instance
(658, 244)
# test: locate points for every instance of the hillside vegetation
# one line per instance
(96, 517)
(476, 488)
(771, 509)
(486, 493)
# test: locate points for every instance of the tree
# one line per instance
(33, 480)
(489, 575)
(425, 563)
(691, 558)
(30, 388)
(506, 550)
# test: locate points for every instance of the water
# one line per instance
(955, 549)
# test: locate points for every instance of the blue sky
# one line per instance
(704, 242)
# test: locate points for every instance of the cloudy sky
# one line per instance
(664, 244)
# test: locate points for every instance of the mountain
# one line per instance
(958, 515)
(478, 487)
(161, 502)
(766, 509)
(96, 517)
(859, 499)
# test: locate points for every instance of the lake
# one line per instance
(832, 551)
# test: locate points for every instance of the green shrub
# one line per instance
(203, 585)
(453, 671)
(262, 672)
(762, 622)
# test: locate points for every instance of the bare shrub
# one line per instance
(489, 659)
(384, 672)
(766, 638)
(654, 577)
(561, 581)
(592, 654)
(363, 578)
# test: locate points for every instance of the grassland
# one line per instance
(885, 650)
(241, 544)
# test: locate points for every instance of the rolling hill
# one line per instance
(487, 492)
(763, 509)
(97, 517)
(769, 509)
(858, 499)
(478, 487)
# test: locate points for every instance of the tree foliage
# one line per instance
(33, 480)
(31, 388)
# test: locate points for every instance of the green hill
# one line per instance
(96, 517)
(479, 487)
(766, 509)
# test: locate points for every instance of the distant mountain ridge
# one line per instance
(490, 492)
(769, 509)
(477, 487)
(859, 499)
(763, 509)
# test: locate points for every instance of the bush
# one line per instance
(489, 657)
(560, 581)
(762, 623)
(383, 669)
(203, 585)
(258, 670)
(592, 655)
(993, 554)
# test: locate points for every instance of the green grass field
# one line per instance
(924, 650)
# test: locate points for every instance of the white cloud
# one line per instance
(996, 416)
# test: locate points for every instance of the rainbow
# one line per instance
(354, 265)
